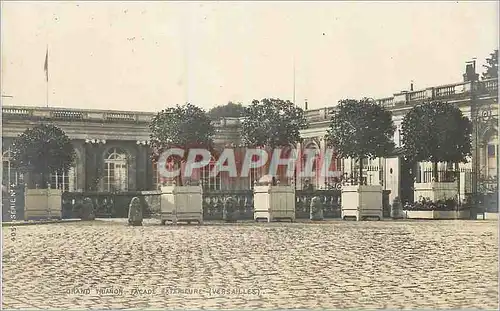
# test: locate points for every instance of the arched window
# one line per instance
(116, 170)
(10, 175)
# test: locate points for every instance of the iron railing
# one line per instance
(107, 204)
(115, 205)
(426, 176)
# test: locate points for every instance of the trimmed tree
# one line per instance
(361, 129)
(436, 132)
(186, 126)
(491, 66)
(43, 150)
(272, 122)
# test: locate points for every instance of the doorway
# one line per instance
(407, 170)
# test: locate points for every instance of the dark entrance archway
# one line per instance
(407, 171)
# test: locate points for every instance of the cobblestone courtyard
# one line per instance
(388, 264)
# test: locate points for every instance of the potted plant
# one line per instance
(361, 129)
(436, 132)
(183, 126)
(41, 151)
(273, 124)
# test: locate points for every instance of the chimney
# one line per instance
(411, 86)
(305, 106)
(470, 72)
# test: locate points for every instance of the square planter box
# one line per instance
(362, 201)
(42, 204)
(464, 214)
(419, 214)
(181, 204)
(491, 216)
(274, 203)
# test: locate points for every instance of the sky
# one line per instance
(147, 56)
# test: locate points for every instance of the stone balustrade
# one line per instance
(17, 111)
(70, 114)
(386, 102)
(113, 125)
(448, 92)
(38, 113)
(120, 116)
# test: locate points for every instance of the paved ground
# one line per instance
(17, 223)
(388, 264)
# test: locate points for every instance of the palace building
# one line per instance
(113, 153)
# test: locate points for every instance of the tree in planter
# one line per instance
(184, 127)
(436, 132)
(43, 150)
(272, 123)
(361, 129)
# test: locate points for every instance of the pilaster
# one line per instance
(322, 174)
(132, 168)
(298, 166)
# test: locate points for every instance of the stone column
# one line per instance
(132, 170)
(322, 174)
(298, 167)
(98, 167)
(140, 176)
(80, 170)
(89, 169)
(149, 170)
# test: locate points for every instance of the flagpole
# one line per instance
(294, 80)
(46, 64)
(47, 79)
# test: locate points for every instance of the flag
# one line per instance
(46, 66)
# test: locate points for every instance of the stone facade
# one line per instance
(113, 153)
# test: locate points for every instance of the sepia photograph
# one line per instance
(236, 155)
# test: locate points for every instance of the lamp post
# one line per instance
(94, 144)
